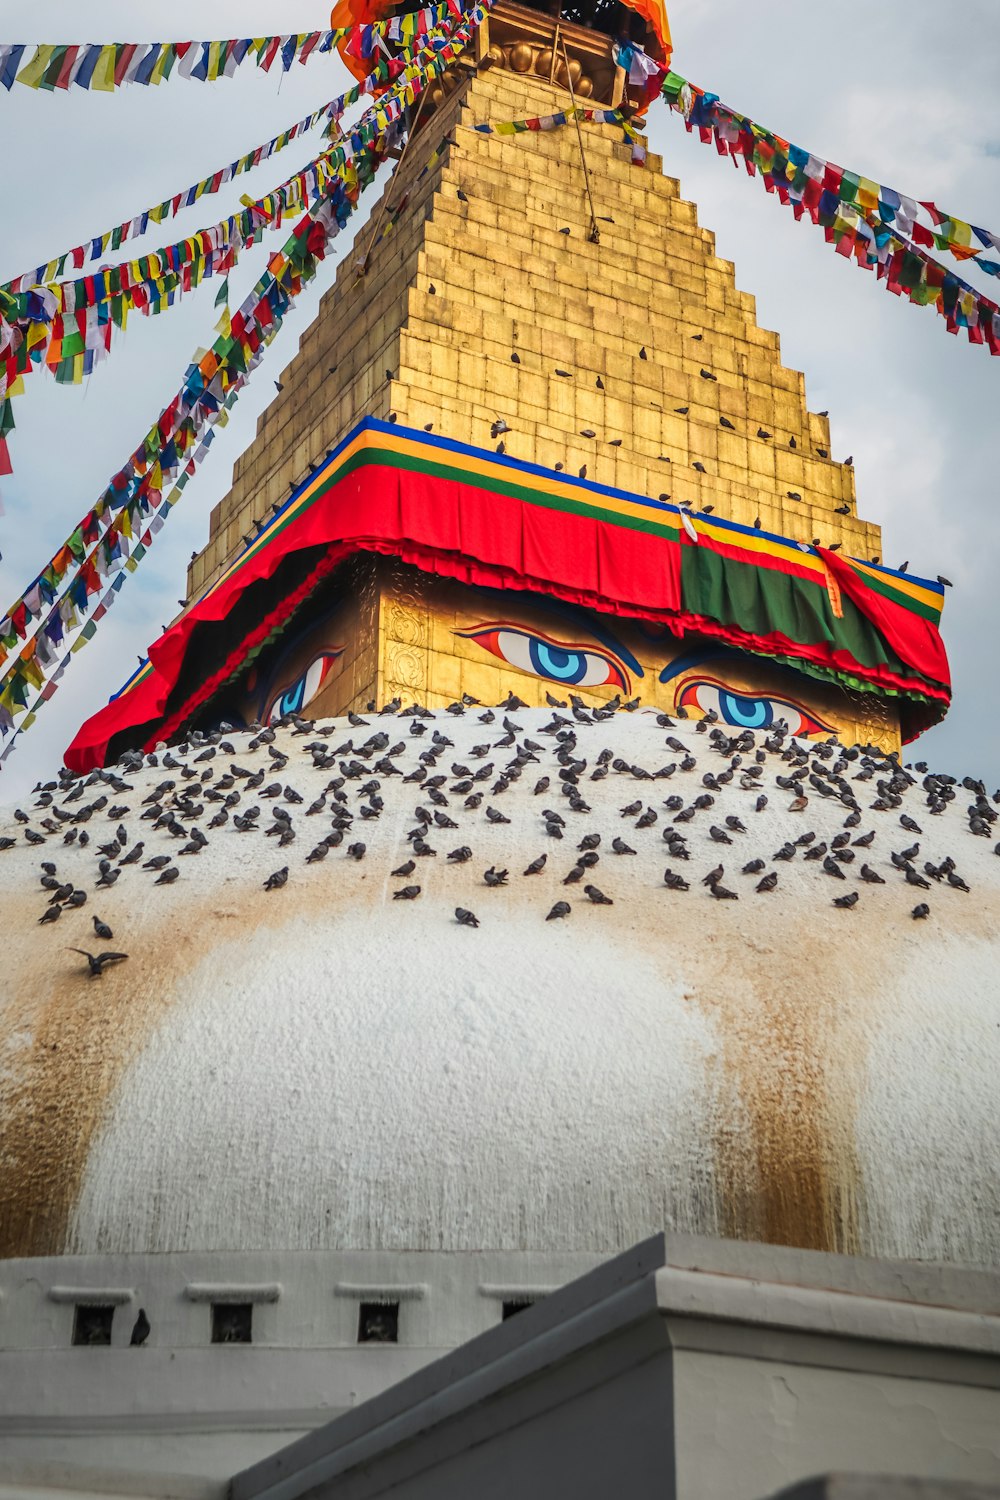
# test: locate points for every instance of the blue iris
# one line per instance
(291, 701)
(746, 713)
(554, 661)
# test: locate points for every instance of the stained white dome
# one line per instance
(322, 1066)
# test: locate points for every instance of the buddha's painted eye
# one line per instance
(571, 663)
(293, 699)
(747, 710)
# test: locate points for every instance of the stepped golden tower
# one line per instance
(478, 301)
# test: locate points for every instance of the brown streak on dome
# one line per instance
(84, 1034)
(786, 1159)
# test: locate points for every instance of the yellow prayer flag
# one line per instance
(104, 73)
(34, 71)
(161, 62)
(868, 193)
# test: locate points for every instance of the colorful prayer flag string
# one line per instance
(67, 327)
(386, 70)
(553, 122)
(861, 218)
(118, 530)
(106, 66)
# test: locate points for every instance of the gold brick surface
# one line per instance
(505, 280)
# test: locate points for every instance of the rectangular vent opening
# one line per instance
(378, 1323)
(92, 1323)
(511, 1306)
(232, 1322)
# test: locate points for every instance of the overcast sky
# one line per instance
(903, 92)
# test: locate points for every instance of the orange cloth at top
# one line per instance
(364, 12)
(654, 13)
(356, 13)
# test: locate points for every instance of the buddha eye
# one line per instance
(747, 710)
(293, 699)
(571, 663)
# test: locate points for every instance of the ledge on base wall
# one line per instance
(362, 1292)
(885, 1487)
(51, 1478)
(91, 1296)
(515, 1293)
(230, 1291)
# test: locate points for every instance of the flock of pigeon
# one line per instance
(440, 787)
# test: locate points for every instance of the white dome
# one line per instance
(321, 1066)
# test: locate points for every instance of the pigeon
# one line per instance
(597, 896)
(846, 902)
(276, 881)
(870, 876)
(754, 867)
(768, 883)
(356, 851)
(408, 893)
(494, 877)
(102, 930)
(97, 963)
(620, 847)
(923, 910)
(140, 1329)
(465, 918)
(831, 867)
(167, 876)
(537, 865)
(459, 856)
(561, 909)
(721, 894)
